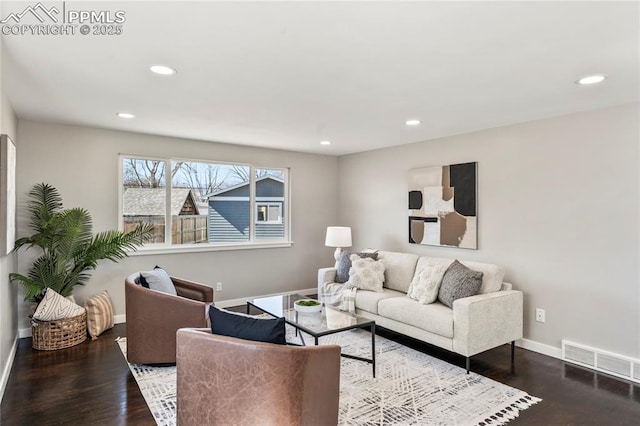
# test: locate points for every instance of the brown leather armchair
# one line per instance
(154, 317)
(229, 381)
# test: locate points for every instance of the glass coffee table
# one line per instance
(328, 321)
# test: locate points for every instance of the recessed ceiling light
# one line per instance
(592, 79)
(325, 142)
(162, 70)
(412, 122)
(125, 115)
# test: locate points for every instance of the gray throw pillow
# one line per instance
(458, 282)
(344, 264)
(158, 280)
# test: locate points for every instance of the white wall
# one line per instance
(557, 206)
(8, 293)
(82, 163)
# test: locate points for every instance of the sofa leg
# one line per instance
(468, 364)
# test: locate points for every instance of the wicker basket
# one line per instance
(59, 334)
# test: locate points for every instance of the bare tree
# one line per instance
(202, 178)
(243, 173)
(147, 173)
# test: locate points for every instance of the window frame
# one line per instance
(252, 243)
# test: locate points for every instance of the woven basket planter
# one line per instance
(59, 334)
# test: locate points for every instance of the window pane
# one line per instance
(270, 203)
(144, 196)
(210, 203)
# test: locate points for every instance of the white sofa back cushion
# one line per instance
(399, 269)
(492, 275)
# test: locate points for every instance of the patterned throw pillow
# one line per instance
(344, 264)
(54, 307)
(365, 274)
(99, 314)
(425, 288)
(458, 282)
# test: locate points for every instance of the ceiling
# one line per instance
(290, 74)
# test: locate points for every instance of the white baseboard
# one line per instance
(7, 368)
(540, 348)
(122, 318)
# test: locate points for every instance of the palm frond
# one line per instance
(69, 249)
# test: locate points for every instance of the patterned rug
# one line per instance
(410, 388)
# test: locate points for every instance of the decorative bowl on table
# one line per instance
(307, 306)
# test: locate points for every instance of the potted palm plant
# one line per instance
(69, 250)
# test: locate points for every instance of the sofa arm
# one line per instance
(325, 275)
(485, 321)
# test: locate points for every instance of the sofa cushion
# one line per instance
(344, 264)
(458, 282)
(399, 269)
(368, 300)
(434, 318)
(425, 288)
(492, 275)
(232, 324)
(365, 274)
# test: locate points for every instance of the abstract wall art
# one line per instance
(442, 206)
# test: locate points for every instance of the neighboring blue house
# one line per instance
(229, 212)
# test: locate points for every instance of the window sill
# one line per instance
(196, 248)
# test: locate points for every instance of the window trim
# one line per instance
(253, 243)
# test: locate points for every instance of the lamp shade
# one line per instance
(338, 236)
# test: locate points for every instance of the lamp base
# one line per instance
(336, 255)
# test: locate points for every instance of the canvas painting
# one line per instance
(442, 206)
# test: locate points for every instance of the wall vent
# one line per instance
(599, 360)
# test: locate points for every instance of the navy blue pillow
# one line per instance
(259, 330)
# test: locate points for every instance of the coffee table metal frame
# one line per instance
(370, 324)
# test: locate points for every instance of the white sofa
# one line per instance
(475, 324)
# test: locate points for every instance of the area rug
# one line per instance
(410, 388)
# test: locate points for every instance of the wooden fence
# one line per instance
(185, 229)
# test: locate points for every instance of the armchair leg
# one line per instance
(468, 364)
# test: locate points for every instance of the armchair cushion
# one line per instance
(158, 280)
(225, 323)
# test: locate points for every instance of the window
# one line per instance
(268, 213)
(196, 203)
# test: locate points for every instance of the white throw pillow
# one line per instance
(365, 274)
(54, 307)
(425, 288)
(159, 280)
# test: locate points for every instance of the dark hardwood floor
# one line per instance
(90, 384)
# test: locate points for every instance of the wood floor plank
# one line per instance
(90, 384)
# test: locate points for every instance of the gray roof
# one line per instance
(150, 201)
(240, 185)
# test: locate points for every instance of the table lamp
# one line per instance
(338, 237)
